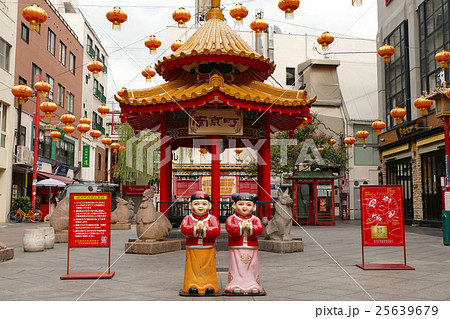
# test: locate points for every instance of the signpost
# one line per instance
(89, 227)
(382, 221)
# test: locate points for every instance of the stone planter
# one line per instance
(34, 239)
(49, 237)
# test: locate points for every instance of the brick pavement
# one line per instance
(324, 271)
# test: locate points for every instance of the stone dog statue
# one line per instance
(121, 214)
(279, 227)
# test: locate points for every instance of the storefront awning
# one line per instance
(318, 176)
(44, 175)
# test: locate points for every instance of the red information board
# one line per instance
(89, 220)
(382, 220)
(89, 227)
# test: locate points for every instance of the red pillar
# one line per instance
(165, 170)
(215, 177)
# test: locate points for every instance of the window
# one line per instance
(99, 167)
(397, 74)
(22, 80)
(434, 36)
(103, 59)
(62, 53)
(23, 135)
(87, 78)
(97, 53)
(64, 150)
(25, 33)
(290, 76)
(366, 153)
(35, 70)
(61, 91)
(50, 81)
(51, 39)
(95, 86)
(3, 119)
(89, 43)
(70, 102)
(4, 54)
(72, 59)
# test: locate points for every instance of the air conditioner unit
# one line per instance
(24, 155)
(285, 181)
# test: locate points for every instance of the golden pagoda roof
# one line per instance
(217, 40)
(234, 86)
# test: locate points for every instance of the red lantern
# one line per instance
(332, 141)
(238, 151)
(115, 147)
(238, 12)
(123, 118)
(95, 67)
(289, 6)
(103, 110)
(378, 126)
(148, 73)
(448, 93)
(357, 2)
(21, 92)
(320, 149)
(258, 25)
(362, 135)
(386, 51)
(69, 129)
(325, 39)
(35, 15)
(116, 16)
(181, 16)
(152, 43)
(398, 113)
(423, 105)
(350, 140)
(95, 134)
(48, 108)
(85, 120)
(83, 128)
(303, 123)
(203, 151)
(106, 141)
(42, 87)
(443, 57)
(55, 135)
(121, 148)
(176, 45)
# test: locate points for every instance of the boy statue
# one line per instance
(243, 229)
(201, 230)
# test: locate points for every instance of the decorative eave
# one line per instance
(200, 167)
(439, 91)
(215, 41)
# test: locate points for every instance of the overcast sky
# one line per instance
(128, 55)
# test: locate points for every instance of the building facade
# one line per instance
(55, 55)
(412, 153)
(8, 113)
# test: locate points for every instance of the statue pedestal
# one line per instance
(281, 247)
(153, 247)
(119, 226)
(62, 237)
(6, 254)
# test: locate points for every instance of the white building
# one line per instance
(8, 114)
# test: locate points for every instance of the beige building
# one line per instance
(412, 153)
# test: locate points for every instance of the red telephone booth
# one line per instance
(313, 196)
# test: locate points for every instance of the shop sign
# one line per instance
(89, 220)
(411, 128)
(322, 204)
(215, 122)
(62, 170)
(86, 150)
(228, 185)
(382, 215)
(134, 189)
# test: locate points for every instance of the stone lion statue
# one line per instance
(279, 227)
(121, 214)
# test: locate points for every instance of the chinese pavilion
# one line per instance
(215, 98)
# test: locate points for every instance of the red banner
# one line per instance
(382, 217)
(90, 220)
(322, 204)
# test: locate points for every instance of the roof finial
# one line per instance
(215, 12)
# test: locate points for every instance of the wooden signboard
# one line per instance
(89, 227)
(382, 221)
(215, 122)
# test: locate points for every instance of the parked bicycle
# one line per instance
(16, 216)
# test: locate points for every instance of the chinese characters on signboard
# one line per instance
(85, 162)
(382, 216)
(215, 122)
(89, 220)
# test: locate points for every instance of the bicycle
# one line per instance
(16, 216)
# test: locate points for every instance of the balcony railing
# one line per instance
(97, 126)
(90, 50)
(99, 95)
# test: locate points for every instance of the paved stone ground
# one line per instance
(324, 271)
